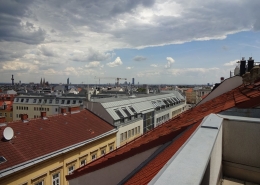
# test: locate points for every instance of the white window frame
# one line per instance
(71, 169)
(83, 162)
(56, 179)
(95, 156)
(39, 183)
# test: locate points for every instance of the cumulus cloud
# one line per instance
(231, 63)
(154, 65)
(89, 55)
(139, 58)
(116, 63)
(94, 64)
(170, 61)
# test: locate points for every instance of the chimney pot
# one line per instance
(2, 119)
(24, 117)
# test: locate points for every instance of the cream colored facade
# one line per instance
(34, 105)
(58, 167)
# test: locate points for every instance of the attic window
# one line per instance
(27, 100)
(133, 110)
(17, 99)
(74, 102)
(2, 159)
(126, 111)
(34, 100)
(119, 113)
(62, 101)
(50, 101)
(68, 102)
(57, 101)
(40, 100)
(22, 100)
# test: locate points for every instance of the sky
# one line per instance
(153, 41)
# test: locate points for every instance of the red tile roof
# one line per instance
(243, 96)
(39, 137)
(8, 103)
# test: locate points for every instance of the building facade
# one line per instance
(44, 150)
(51, 104)
(134, 116)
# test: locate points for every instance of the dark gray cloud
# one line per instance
(139, 58)
(11, 27)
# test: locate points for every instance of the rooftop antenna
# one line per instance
(8, 133)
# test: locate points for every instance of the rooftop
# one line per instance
(242, 97)
(38, 138)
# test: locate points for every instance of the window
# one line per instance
(120, 115)
(56, 179)
(121, 137)
(56, 110)
(34, 108)
(111, 148)
(0, 114)
(80, 101)
(103, 151)
(44, 101)
(5, 114)
(93, 157)
(125, 135)
(138, 129)
(68, 102)
(133, 110)
(50, 101)
(11, 115)
(17, 99)
(39, 183)
(34, 100)
(22, 100)
(133, 132)
(48, 109)
(37, 108)
(17, 107)
(40, 100)
(82, 162)
(27, 100)
(62, 101)
(57, 101)
(70, 170)
(129, 133)
(74, 102)
(126, 111)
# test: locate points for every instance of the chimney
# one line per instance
(43, 114)
(74, 109)
(2, 119)
(222, 79)
(63, 110)
(242, 66)
(250, 63)
(24, 117)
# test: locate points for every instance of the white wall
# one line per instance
(224, 87)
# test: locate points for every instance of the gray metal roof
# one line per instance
(141, 105)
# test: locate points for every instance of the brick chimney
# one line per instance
(63, 110)
(43, 114)
(73, 109)
(2, 119)
(24, 117)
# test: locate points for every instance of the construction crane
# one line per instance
(116, 78)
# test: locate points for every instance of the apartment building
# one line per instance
(44, 150)
(136, 115)
(51, 104)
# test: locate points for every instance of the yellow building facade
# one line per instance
(52, 171)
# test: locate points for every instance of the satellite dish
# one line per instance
(8, 133)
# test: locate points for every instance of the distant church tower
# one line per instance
(41, 82)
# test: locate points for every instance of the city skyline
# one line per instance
(155, 42)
